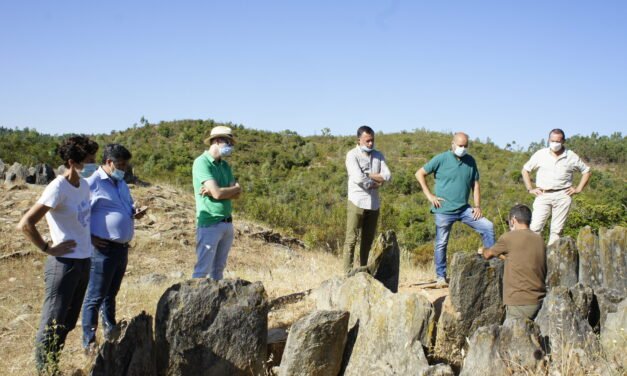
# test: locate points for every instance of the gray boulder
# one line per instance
(40, 174)
(206, 327)
(607, 302)
(612, 247)
(131, 354)
(590, 271)
(562, 263)
(383, 261)
(475, 299)
(2, 169)
(387, 331)
(439, 370)
(315, 344)
(570, 338)
(16, 174)
(511, 349)
(614, 337)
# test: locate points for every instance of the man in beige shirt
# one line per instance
(525, 265)
(554, 183)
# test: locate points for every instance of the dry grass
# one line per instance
(163, 247)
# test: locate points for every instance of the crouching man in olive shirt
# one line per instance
(525, 265)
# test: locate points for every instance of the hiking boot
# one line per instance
(441, 283)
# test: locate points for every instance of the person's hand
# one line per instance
(61, 248)
(476, 213)
(98, 242)
(480, 251)
(435, 201)
(204, 191)
(536, 191)
(572, 191)
(375, 185)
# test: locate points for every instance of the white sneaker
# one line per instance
(440, 282)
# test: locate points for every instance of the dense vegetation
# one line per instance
(298, 184)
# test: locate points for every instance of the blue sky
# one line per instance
(508, 70)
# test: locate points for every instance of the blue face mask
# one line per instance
(118, 175)
(88, 169)
(366, 149)
(226, 150)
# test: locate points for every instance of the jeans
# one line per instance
(108, 266)
(358, 221)
(66, 280)
(213, 244)
(555, 204)
(443, 224)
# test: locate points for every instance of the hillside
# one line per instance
(298, 184)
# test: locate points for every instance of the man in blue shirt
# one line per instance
(112, 228)
(456, 175)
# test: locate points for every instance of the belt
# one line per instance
(116, 244)
(227, 219)
(553, 190)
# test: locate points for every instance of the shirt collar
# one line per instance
(211, 159)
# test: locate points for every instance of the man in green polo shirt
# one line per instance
(455, 175)
(214, 187)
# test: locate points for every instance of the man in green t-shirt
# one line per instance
(456, 174)
(214, 187)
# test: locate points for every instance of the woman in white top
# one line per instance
(65, 204)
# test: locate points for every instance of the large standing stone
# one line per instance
(590, 271)
(511, 349)
(614, 335)
(315, 345)
(386, 330)
(383, 261)
(562, 263)
(612, 246)
(475, 299)
(132, 354)
(206, 327)
(41, 174)
(571, 340)
(16, 174)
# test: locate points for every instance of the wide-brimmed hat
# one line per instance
(220, 131)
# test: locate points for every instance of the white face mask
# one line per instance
(460, 151)
(555, 146)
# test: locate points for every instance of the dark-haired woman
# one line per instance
(65, 204)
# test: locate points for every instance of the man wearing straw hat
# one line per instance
(214, 188)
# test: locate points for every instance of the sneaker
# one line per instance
(440, 282)
(91, 349)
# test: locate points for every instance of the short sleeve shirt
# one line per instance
(555, 172)
(525, 266)
(210, 211)
(454, 179)
(69, 215)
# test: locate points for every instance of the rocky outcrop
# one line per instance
(570, 338)
(386, 331)
(612, 247)
(2, 169)
(383, 261)
(475, 300)
(41, 174)
(562, 263)
(511, 349)
(590, 270)
(206, 327)
(614, 336)
(132, 354)
(315, 345)
(16, 174)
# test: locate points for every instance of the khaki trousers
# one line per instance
(522, 311)
(555, 204)
(358, 221)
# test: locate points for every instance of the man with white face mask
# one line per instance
(554, 183)
(214, 188)
(456, 174)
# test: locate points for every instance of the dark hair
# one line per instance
(74, 148)
(115, 152)
(92, 147)
(522, 213)
(558, 131)
(364, 129)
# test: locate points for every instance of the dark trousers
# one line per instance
(108, 266)
(358, 222)
(66, 280)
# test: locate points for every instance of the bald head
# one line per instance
(460, 138)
